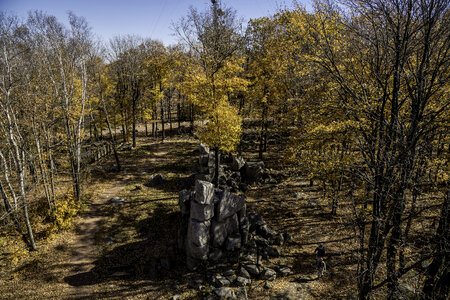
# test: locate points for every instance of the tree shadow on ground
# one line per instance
(153, 259)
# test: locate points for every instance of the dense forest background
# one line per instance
(357, 91)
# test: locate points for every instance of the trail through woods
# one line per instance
(83, 248)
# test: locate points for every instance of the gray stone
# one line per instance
(278, 240)
(200, 212)
(254, 170)
(117, 201)
(203, 177)
(220, 281)
(288, 294)
(244, 187)
(241, 293)
(184, 201)
(233, 242)
(272, 252)
(266, 232)
(284, 271)
(198, 239)
(224, 293)
(268, 274)
(242, 281)
(203, 160)
(215, 255)
(219, 232)
(228, 272)
(238, 163)
(242, 214)
(267, 285)
(204, 192)
(156, 180)
(244, 273)
(252, 269)
(191, 263)
(198, 232)
(176, 297)
(228, 205)
(203, 149)
(109, 240)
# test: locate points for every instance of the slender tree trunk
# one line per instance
(163, 134)
(179, 113)
(437, 280)
(113, 140)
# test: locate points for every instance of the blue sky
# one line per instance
(146, 18)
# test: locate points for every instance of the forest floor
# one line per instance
(115, 250)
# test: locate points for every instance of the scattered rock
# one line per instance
(288, 294)
(267, 285)
(278, 240)
(220, 281)
(254, 170)
(272, 252)
(238, 163)
(244, 273)
(244, 187)
(176, 297)
(241, 294)
(242, 281)
(268, 274)
(284, 271)
(195, 284)
(156, 180)
(109, 240)
(117, 201)
(224, 293)
(228, 272)
(252, 269)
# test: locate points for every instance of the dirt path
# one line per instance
(84, 252)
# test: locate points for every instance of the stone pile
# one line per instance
(236, 175)
(213, 222)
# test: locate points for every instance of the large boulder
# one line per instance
(238, 163)
(197, 243)
(200, 212)
(156, 180)
(228, 204)
(254, 170)
(184, 201)
(203, 149)
(221, 230)
(204, 192)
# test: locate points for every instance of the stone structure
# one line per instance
(213, 221)
(236, 174)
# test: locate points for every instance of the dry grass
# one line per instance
(144, 231)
